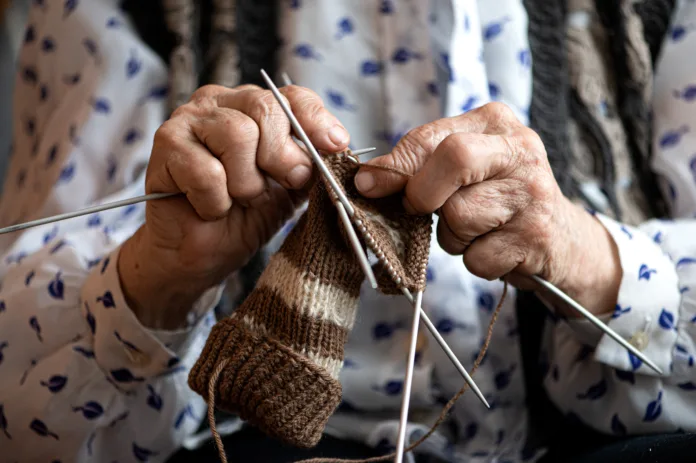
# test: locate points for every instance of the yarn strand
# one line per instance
(446, 409)
(211, 409)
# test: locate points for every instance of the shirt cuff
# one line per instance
(128, 352)
(647, 310)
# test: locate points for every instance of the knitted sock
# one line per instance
(283, 347)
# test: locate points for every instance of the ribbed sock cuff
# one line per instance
(267, 384)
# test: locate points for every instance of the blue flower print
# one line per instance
(384, 330)
(86, 353)
(132, 136)
(67, 173)
(635, 361)
(494, 29)
(102, 105)
(338, 100)
(687, 94)
(686, 261)
(618, 311)
(91, 46)
(142, 454)
(672, 138)
(90, 410)
(94, 220)
(617, 427)
(448, 68)
(124, 375)
(486, 301)
(666, 320)
(3, 422)
(129, 345)
(391, 388)
(187, 412)
(29, 277)
(386, 7)
(29, 34)
(34, 324)
(72, 79)
(69, 7)
(467, 23)
(345, 27)
(113, 23)
(658, 237)
(678, 32)
(306, 51)
(56, 287)
(433, 88)
(469, 104)
(645, 272)
(445, 326)
(627, 232)
(90, 319)
(525, 58)
(3, 346)
(404, 55)
(502, 379)
(43, 92)
(688, 386)
(595, 391)
(48, 45)
(133, 65)
(55, 383)
(370, 68)
(52, 153)
(40, 428)
(111, 169)
(295, 4)
(107, 300)
(154, 400)
(493, 90)
(654, 409)
(29, 75)
(625, 376)
(470, 430)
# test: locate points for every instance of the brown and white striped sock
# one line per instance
(283, 347)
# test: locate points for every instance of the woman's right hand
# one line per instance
(231, 152)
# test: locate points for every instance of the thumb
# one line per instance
(388, 174)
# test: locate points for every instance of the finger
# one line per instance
(277, 154)
(461, 160)
(181, 164)
(233, 138)
(323, 128)
(474, 211)
(493, 255)
(412, 151)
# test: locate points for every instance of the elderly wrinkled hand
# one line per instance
(488, 178)
(231, 152)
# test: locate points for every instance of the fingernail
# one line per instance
(298, 176)
(364, 181)
(407, 205)
(338, 135)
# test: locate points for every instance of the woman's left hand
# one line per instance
(499, 206)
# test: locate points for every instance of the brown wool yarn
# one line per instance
(280, 354)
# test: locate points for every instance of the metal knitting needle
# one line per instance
(447, 350)
(431, 327)
(408, 381)
(597, 322)
(308, 144)
(107, 206)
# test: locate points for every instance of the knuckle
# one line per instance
(207, 92)
(499, 112)
(457, 213)
(265, 106)
(165, 134)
